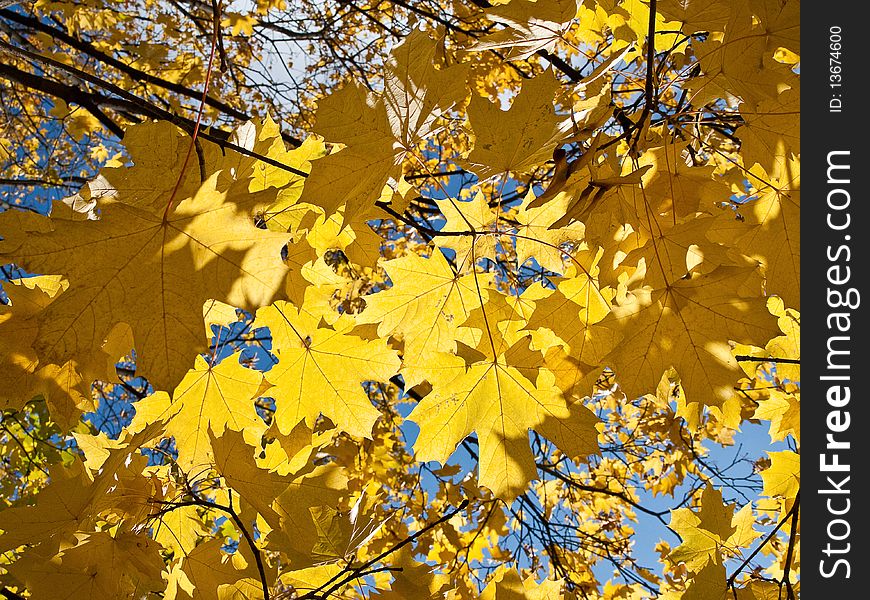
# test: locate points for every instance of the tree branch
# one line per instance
(132, 72)
(773, 359)
(126, 101)
(67, 93)
(766, 540)
(336, 582)
(258, 558)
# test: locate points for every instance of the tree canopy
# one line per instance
(406, 299)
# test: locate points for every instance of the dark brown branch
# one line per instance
(434, 175)
(336, 582)
(132, 72)
(64, 182)
(258, 558)
(126, 102)
(789, 553)
(773, 359)
(423, 230)
(649, 94)
(649, 84)
(557, 61)
(67, 93)
(766, 540)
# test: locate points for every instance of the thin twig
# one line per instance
(344, 577)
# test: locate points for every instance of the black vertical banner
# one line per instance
(835, 253)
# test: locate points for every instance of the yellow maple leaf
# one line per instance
(708, 584)
(413, 580)
(673, 252)
(99, 566)
(355, 175)
(770, 134)
(61, 507)
(209, 573)
(472, 223)
(498, 402)
(520, 138)
(783, 476)
(782, 410)
(416, 94)
(508, 585)
(283, 502)
(704, 533)
(788, 345)
(577, 304)
(426, 305)
(149, 271)
(688, 326)
(529, 27)
(535, 238)
(321, 370)
(18, 331)
(210, 398)
(157, 150)
(695, 15)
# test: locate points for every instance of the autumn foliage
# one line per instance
(482, 300)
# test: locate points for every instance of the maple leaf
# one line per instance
(787, 345)
(283, 502)
(695, 15)
(708, 584)
(340, 534)
(261, 175)
(156, 150)
(770, 134)
(638, 237)
(587, 190)
(19, 363)
(577, 304)
(782, 410)
(703, 533)
(60, 508)
(209, 398)
(100, 565)
(151, 272)
(510, 586)
(413, 580)
(377, 131)
(781, 22)
(355, 175)
(535, 238)
(474, 218)
(741, 62)
(783, 476)
(672, 253)
(74, 498)
(529, 28)
(495, 400)
(209, 573)
(520, 138)
(688, 326)
(321, 370)
(416, 94)
(426, 304)
(675, 183)
(770, 231)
